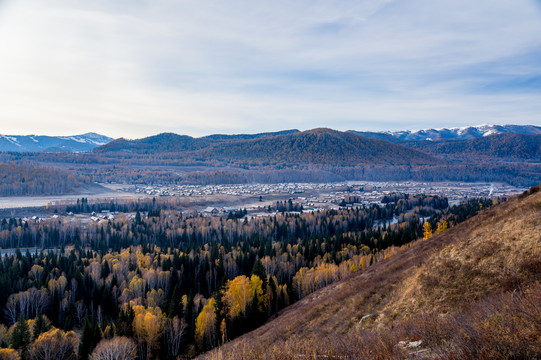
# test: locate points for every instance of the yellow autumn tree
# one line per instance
(256, 288)
(427, 230)
(205, 325)
(148, 326)
(237, 296)
(9, 354)
(223, 331)
(442, 226)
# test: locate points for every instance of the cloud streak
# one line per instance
(205, 67)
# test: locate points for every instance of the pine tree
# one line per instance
(175, 304)
(90, 337)
(259, 270)
(40, 326)
(86, 338)
(20, 338)
(125, 323)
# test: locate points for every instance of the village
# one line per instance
(316, 196)
(260, 200)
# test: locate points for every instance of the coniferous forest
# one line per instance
(156, 283)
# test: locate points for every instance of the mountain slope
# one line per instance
(32, 143)
(442, 283)
(174, 143)
(161, 143)
(27, 180)
(318, 146)
(463, 133)
(517, 146)
(379, 135)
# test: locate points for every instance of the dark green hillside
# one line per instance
(174, 143)
(514, 146)
(318, 146)
(161, 143)
(249, 136)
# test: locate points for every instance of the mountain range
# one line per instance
(317, 146)
(33, 143)
(456, 133)
(293, 156)
(174, 143)
(330, 147)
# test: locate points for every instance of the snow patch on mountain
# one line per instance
(464, 132)
(31, 143)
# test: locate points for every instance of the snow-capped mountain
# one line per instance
(24, 143)
(463, 133)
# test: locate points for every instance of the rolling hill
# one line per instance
(174, 143)
(508, 146)
(161, 143)
(318, 146)
(472, 291)
(249, 136)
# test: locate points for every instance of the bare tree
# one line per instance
(174, 334)
(24, 303)
(80, 311)
(55, 345)
(39, 301)
(11, 309)
(117, 348)
(35, 272)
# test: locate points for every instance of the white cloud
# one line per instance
(138, 68)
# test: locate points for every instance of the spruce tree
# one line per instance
(40, 326)
(259, 270)
(20, 338)
(176, 308)
(90, 337)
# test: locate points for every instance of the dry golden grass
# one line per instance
(497, 252)
(452, 285)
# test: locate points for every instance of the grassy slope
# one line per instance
(497, 250)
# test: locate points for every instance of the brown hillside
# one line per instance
(490, 255)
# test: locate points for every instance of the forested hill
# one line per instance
(161, 143)
(318, 146)
(24, 180)
(174, 143)
(470, 292)
(249, 136)
(516, 146)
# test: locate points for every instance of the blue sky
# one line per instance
(137, 68)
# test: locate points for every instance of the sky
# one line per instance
(134, 68)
